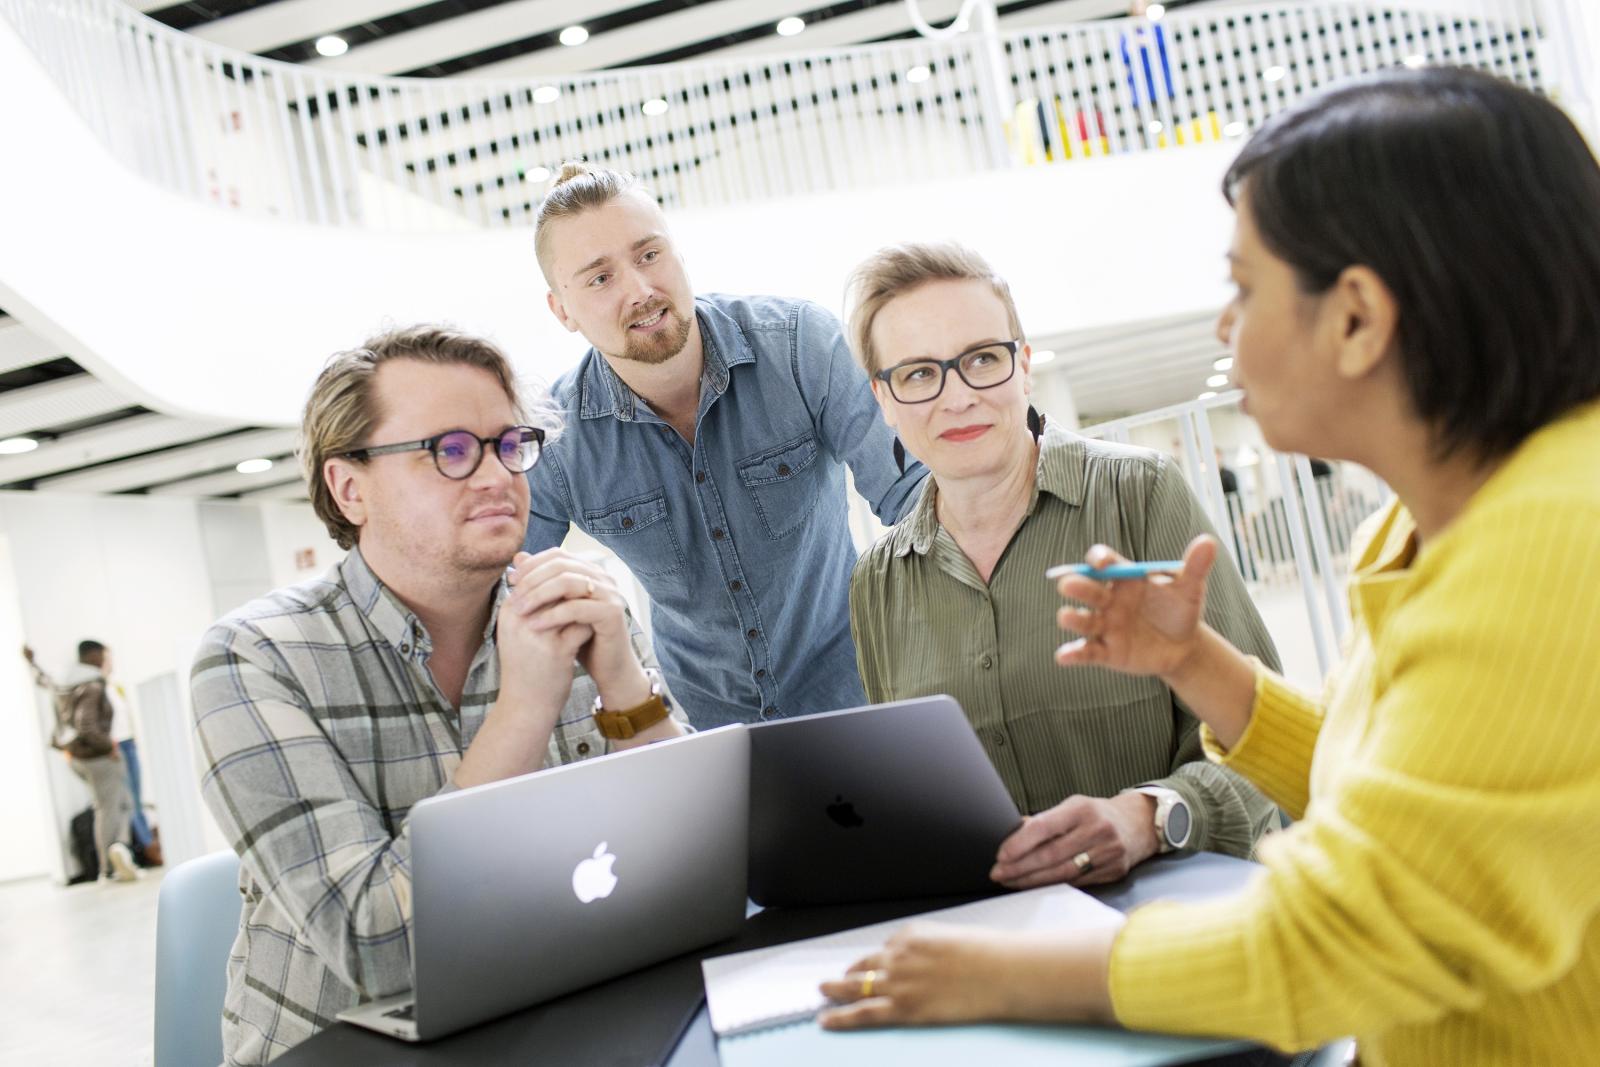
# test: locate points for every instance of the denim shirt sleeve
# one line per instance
(550, 508)
(839, 396)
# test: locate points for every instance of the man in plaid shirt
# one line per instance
(436, 656)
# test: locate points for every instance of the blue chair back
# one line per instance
(197, 918)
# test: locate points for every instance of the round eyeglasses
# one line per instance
(918, 381)
(457, 453)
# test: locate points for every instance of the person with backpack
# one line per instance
(83, 730)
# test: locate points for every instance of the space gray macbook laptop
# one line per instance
(891, 800)
(535, 886)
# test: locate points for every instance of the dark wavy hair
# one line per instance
(1478, 204)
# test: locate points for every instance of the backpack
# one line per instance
(65, 731)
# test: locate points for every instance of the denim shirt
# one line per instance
(742, 540)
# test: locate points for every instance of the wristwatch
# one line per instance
(1173, 821)
(621, 725)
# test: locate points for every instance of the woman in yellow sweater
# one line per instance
(1417, 264)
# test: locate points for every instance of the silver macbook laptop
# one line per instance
(536, 886)
(892, 800)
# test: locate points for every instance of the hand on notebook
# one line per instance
(1081, 841)
(933, 973)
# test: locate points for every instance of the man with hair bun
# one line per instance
(707, 443)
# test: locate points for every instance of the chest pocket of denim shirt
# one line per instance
(784, 483)
(638, 530)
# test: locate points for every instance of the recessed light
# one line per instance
(1155, 126)
(1154, 12)
(1207, 395)
(918, 73)
(1044, 356)
(1217, 381)
(1233, 129)
(536, 174)
(1274, 73)
(545, 94)
(657, 106)
(790, 26)
(254, 466)
(573, 36)
(332, 45)
(16, 446)
(1225, 363)
(1415, 62)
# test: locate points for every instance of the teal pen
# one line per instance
(1117, 571)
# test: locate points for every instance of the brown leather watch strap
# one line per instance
(621, 725)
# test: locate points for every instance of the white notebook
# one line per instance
(769, 987)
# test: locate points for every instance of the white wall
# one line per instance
(136, 573)
(166, 296)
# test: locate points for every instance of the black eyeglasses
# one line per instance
(457, 453)
(918, 381)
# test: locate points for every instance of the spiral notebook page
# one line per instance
(767, 987)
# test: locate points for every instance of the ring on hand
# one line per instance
(1083, 863)
(867, 981)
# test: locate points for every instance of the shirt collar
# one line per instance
(723, 344)
(1059, 472)
(392, 620)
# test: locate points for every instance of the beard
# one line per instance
(656, 348)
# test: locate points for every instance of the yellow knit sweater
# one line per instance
(1440, 895)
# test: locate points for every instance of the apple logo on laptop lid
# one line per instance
(843, 812)
(592, 878)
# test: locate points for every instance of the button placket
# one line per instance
(722, 542)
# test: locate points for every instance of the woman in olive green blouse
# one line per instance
(954, 598)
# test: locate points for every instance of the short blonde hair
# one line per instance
(343, 406)
(898, 269)
(576, 189)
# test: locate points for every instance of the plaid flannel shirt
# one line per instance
(318, 727)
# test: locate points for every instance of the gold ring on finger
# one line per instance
(868, 980)
(1083, 863)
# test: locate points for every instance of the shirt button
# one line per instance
(699, 476)
(768, 712)
(583, 748)
(986, 661)
(752, 634)
(783, 470)
(718, 534)
(626, 523)
(1000, 739)
(761, 673)
(405, 650)
(736, 585)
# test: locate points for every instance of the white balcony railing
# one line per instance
(292, 142)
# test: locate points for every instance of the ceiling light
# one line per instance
(1043, 357)
(1207, 395)
(1233, 129)
(332, 45)
(1154, 12)
(545, 94)
(16, 446)
(657, 106)
(1246, 457)
(536, 174)
(1217, 381)
(918, 73)
(1225, 363)
(254, 466)
(1155, 126)
(791, 26)
(573, 36)
(1274, 73)
(1415, 62)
